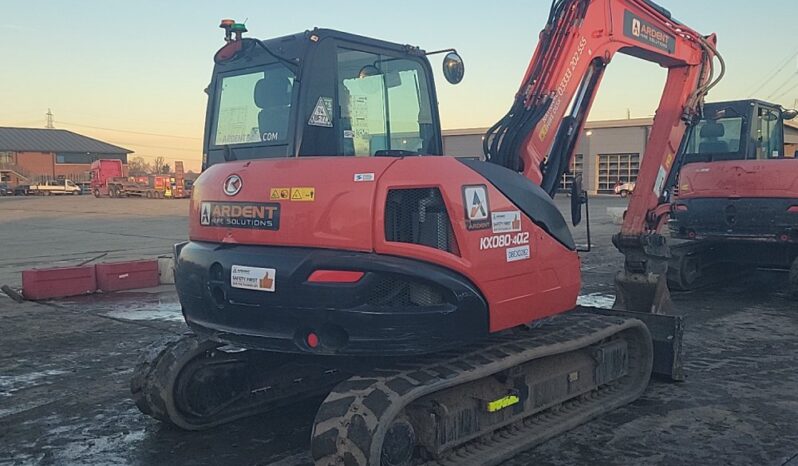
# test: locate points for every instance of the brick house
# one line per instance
(29, 155)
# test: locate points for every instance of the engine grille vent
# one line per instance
(419, 216)
(396, 291)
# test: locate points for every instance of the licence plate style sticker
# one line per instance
(506, 222)
(254, 216)
(252, 278)
(519, 253)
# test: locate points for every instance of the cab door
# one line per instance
(768, 133)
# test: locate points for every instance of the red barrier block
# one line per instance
(127, 275)
(58, 282)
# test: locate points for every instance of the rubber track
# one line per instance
(151, 386)
(156, 376)
(713, 268)
(352, 421)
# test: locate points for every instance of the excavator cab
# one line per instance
(738, 130)
(322, 93)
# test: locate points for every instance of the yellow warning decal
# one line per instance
(280, 194)
(503, 402)
(303, 194)
(669, 161)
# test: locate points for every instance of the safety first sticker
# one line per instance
(506, 222)
(477, 210)
(295, 194)
(252, 278)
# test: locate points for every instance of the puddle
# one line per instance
(169, 311)
(596, 300)
(131, 306)
(12, 383)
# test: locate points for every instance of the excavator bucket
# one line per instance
(646, 297)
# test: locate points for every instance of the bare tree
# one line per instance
(137, 166)
(157, 165)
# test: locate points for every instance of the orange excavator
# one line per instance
(735, 199)
(335, 252)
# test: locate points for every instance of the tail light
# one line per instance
(335, 276)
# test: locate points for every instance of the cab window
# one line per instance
(254, 107)
(715, 139)
(384, 105)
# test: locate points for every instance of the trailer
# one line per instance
(108, 180)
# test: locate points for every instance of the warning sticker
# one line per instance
(252, 278)
(322, 113)
(477, 210)
(303, 194)
(280, 194)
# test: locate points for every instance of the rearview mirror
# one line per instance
(453, 67)
(790, 114)
(368, 70)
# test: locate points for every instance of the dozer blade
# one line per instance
(646, 297)
(645, 293)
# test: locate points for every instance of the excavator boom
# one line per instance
(539, 133)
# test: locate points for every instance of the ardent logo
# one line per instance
(636, 27)
(232, 185)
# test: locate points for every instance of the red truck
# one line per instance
(108, 179)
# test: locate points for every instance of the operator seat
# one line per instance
(273, 96)
(710, 132)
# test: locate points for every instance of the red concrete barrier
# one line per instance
(128, 275)
(58, 282)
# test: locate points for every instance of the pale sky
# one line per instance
(133, 73)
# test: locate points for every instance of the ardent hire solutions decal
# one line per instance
(642, 31)
(249, 215)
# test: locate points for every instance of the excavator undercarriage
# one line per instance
(478, 405)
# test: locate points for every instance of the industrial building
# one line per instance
(608, 151)
(33, 154)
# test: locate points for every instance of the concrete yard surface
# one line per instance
(65, 365)
(40, 231)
